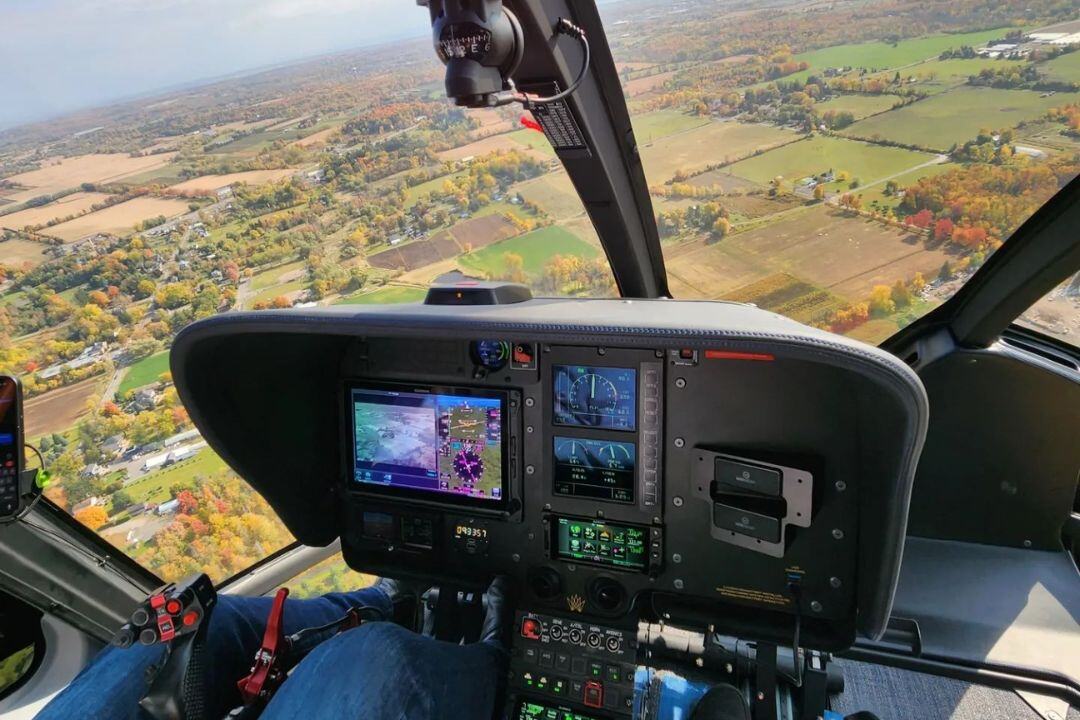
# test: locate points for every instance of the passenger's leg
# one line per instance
(381, 671)
(114, 682)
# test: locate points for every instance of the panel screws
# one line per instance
(529, 429)
(601, 351)
(679, 442)
(678, 584)
(838, 533)
(680, 382)
(676, 501)
(841, 486)
(834, 582)
(529, 469)
(515, 557)
(529, 402)
(815, 606)
(676, 558)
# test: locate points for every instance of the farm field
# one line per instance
(655, 125)
(820, 153)
(876, 193)
(554, 193)
(60, 409)
(841, 254)
(67, 205)
(118, 219)
(210, 183)
(1066, 67)
(144, 372)
(883, 55)
(493, 144)
(958, 115)
(706, 145)
(385, 296)
(276, 275)
(414, 193)
(535, 248)
(72, 172)
(535, 141)
(277, 290)
(788, 295)
(18, 252)
(858, 105)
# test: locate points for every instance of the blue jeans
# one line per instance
(378, 671)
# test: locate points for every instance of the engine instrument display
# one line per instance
(611, 544)
(595, 397)
(602, 469)
(447, 442)
(531, 710)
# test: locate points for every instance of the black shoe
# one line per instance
(498, 612)
(396, 591)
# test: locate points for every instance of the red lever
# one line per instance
(265, 673)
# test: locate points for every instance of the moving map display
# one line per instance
(444, 443)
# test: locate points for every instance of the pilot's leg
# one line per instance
(114, 682)
(381, 671)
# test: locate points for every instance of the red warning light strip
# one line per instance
(729, 355)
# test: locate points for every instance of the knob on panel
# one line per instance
(545, 583)
(606, 593)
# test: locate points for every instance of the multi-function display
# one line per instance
(595, 397)
(529, 710)
(615, 545)
(447, 442)
(601, 469)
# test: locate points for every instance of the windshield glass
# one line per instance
(847, 166)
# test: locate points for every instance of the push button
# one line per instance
(593, 695)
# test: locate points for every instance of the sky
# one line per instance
(57, 56)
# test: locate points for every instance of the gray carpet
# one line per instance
(895, 694)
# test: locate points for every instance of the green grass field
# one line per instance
(144, 372)
(940, 75)
(1066, 67)
(710, 144)
(384, 296)
(534, 140)
(858, 105)
(820, 153)
(272, 276)
(877, 192)
(272, 291)
(414, 193)
(958, 115)
(154, 487)
(654, 125)
(535, 248)
(883, 56)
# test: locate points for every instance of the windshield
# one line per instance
(847, 167)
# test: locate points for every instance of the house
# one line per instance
(145, 399)
(170, 506)
(114, 445)
(92, 501)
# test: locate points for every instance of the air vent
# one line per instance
(1042, 351)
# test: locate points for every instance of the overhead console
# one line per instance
(618, 459)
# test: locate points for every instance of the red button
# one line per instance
(531, 629)
(686, 354)
(190, 618)
(594, 694)
(173, 607)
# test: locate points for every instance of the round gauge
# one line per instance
(572, 452)
(593, 394)
(468, 466)
(491, 354)
(615, 455)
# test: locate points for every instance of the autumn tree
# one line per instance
(819, 192)
(92, 517)
(881, 302)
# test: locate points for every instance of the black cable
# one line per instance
(564, 27)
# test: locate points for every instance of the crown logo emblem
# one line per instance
(576, 603)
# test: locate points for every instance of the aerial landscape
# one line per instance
(847, 164)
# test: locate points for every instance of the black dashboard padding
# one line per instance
(264, 390)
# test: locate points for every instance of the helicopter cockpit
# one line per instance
(799, 525)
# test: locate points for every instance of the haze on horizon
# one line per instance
(60, 56)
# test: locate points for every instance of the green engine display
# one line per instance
(614, 545)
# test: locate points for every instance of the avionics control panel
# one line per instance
(565, 664)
